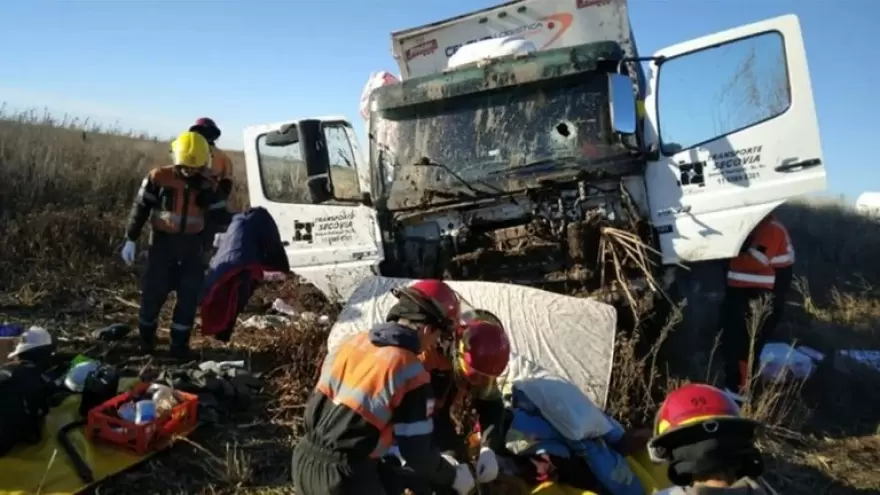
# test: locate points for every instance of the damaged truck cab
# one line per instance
(557, 164)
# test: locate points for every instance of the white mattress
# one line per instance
(571, 337)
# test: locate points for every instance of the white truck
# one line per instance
(512, 168)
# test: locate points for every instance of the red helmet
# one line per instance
(442, 295)
(694, 403)
(207, 128)
(483, 351)
(696, 411)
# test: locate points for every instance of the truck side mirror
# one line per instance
(313, 145)
(622, 104)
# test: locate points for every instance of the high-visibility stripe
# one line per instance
(752, 279)
(784, 260)
(418, 428)
(167, 221)
(758, 255)
(376, 407)
(219, 205)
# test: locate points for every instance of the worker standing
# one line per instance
(708, 445)
(763, 269)
(374, 391)
(181, 201)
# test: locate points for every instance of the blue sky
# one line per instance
(156, 65)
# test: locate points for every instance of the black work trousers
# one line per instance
(175, 262)
(739, 316)
(317, 471)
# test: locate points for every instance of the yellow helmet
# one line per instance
(190, 150)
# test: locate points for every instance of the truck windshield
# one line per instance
(479, 136)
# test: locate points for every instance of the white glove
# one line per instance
(128, 252)
(217, 239)
(487, 465)
(464, 479)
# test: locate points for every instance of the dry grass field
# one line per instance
(65, 191)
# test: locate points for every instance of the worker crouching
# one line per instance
(709, 447)
(182, 203)
(374, 392)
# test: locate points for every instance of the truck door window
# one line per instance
(282, 171)
(710, 93)
(343, 169)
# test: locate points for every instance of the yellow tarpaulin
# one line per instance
(23, 470)
(653, 478)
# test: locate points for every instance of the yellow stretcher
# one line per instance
(653, 478)
(46, 468)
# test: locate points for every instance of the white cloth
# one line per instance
(487, 465)
(128, 252)
(571, 338)
(464, 479)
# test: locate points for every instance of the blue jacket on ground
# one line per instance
(531, 434)
(251, 246)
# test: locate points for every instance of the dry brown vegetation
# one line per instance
(65, 191)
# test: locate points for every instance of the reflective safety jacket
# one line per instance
(221, 164)
(175, 204)
(450, 390)
(768, 249)
(374, 392)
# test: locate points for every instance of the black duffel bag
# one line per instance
(24, 403)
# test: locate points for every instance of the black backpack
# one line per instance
(24, 404)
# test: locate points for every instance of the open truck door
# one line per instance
(306, 174)
(736, 135)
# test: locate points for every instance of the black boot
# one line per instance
(180, 352)
(147, 340)
(180, 344)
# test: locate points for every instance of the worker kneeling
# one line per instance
(466, 365)
(374, 391)
(708, 445)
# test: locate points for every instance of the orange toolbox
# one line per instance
(105, 425)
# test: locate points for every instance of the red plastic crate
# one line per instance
(106, 427)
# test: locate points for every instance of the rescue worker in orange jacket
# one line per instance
(763, 269)
(709, 447)
(466, 363)
(374, 392)
(221, 165)
(466, 368)
(182, 203)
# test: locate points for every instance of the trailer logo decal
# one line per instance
(557, 24)
(692, 174)
(422, 49)
(302, 231)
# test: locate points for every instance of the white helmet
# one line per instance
(35, 337)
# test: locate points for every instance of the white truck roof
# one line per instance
(547, 24)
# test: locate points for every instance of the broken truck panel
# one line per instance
(497, 74)
(549, 24)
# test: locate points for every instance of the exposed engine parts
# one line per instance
(549, 238)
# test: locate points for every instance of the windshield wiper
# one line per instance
(427, 162)
(537, 166)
